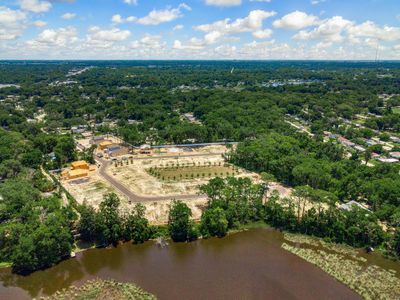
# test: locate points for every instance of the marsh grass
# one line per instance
(369, 281)
(102, 290)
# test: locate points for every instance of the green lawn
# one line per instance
(396, 110)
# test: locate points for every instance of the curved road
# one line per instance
(129, 194)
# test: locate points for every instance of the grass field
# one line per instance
(190, 172)
(396, 110)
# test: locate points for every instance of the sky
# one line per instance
(200, 29)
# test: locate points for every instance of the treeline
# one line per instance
(298, 160)
(35, 222)
(232, 204)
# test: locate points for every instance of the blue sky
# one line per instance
(199, 29)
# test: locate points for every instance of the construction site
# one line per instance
(154, 176)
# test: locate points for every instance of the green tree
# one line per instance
(136, 226)
(87, 226)
(214, 222)
(179, 224)
(42, 248)
(109, 223)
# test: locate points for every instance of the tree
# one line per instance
(136, 226)
(214, 222)
(367, 155)
(179, 224)
(87, 226)
(42, 248)
(109, 223)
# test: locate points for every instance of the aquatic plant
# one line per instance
(102, 290)
(370, 281)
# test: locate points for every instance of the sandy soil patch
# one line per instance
(91, 190)
(136, 177)
(157, 211)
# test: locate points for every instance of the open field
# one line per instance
(396, 110)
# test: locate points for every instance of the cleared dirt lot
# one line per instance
(136, 176)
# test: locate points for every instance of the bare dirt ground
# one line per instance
(90, 189)
(136, 177)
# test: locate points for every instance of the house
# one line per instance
(395, 155)
(105, 144)
(78, 173)
(116, 150)
(359, 148)
(78, 169)
(80, 165)
(145, 149)
(388, 160)
(371, 142)
(395, 139)
(351, 205)
(345, 142)
(97, 140)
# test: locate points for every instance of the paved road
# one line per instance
(132, 196)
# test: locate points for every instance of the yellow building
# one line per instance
(105, 144)
(81, 164)
(78, 169)
(78, 173)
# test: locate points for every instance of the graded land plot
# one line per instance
(157, 211)
(91, 189)
(135, 175)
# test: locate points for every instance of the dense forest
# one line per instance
(281, 113)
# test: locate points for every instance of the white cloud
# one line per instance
(12, 23)
(117, 19)
(131, 2)
(60, 37)
(68, 16)
(331, 29)
(35, 6)
(107, 35)
(371, 30)
(262, 34)
(253, 22)
(39, 23)
(156, 17)
(316, 2)
(178, 27)
(296, 20)
(149, 41)
(219, 31)
(224, 2)
(263, 1)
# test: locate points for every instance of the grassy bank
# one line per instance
(5, 264)
(103, 290)
(346, 265)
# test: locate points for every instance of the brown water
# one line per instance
(247, 265)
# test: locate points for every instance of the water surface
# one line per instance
(247, 265)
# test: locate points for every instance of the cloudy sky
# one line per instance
(199, 29)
